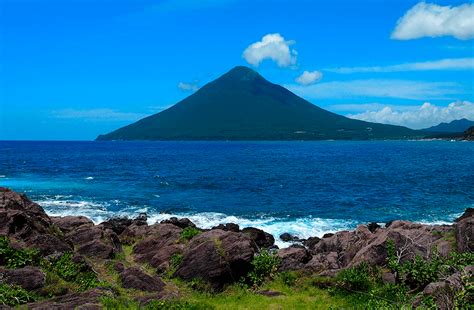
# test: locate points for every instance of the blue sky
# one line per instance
(74, 69)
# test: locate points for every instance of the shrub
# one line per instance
(359, 278)
(11, 295)
(265, 265)
(13, 258)
(188, 233)
(420, 272)
(288, 277)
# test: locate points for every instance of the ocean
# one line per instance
(301, 187)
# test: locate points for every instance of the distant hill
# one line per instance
(453, 127)
(242, 105)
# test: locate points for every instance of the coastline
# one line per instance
(150, 258)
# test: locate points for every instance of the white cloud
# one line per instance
(272, 46)
(102, 114)
(191, 87)
(423, 116)
(442, 64)
(308, 78)
(432, 20)
(406, 89)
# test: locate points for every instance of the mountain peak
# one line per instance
(242, 73)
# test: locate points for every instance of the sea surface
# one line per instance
(305, 188)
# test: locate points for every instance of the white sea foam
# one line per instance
(89, 178)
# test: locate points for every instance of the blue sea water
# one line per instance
(306, 188)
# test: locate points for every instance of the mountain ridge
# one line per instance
(456, 126)
(243, 105)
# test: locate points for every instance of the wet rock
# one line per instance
(373, 227)
(134, 278)
(218, 257)
(293, 258)
(464, 231)
(311, 242)
(228, 227)
(29, 278)
(181, 223)
(262, 239)
(141, 219)
(118, 224)
(286, 237)
(328, 235)
(85, 300)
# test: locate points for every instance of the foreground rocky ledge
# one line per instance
(142, 255)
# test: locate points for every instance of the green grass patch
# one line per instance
(188, 233)
(12, 295)
(17, 258)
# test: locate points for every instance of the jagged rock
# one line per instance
(217, 257)
(96, 248)
(158, 247)
(27, 223)
(29, 278)
(286, 237)
(135, 278)
(323, 262)
(262, 239)
(328, 235)
(117, 224)
(464, 231)
(85, 300)
(373, 227)
(311, 242)
(119, 267)
(163, 256)
(70, 223)
(228, 227)
(181, 223)
(293, 258)
(141, 219)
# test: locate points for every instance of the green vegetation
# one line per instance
(11, 295)
(265, 266)
(13, 258)
(70, 271)
(188, 233)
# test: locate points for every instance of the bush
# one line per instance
(188, 233)
(420, 272)
(288, 277)
(14, 295)
(13, 258)
(265, 265)
(359, 278)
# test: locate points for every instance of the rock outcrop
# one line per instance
(218, 257)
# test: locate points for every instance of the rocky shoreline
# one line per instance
(141, 256)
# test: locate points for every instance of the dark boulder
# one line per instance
(159, 246)
(134, 278)
(96, 248)
(228, 227)
(464, 231)
(373, 227)
(141, 219)
(96, 241)
(286, 237)
(311, 242)
(27, 223)
(117, 224)
(181, 223)
(218, 257)
(262, 239)
(293, 258)
(328, 235)
(70, 223)
(29, 278)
